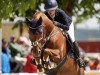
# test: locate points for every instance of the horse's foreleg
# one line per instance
(54, 54)
(38, 63)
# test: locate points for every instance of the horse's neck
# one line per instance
(46, 21)
(48, 24)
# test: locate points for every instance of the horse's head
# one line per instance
(35, 33)
(35, 25)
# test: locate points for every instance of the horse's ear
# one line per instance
(27, 21)
(39, 21)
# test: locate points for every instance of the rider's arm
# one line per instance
(64, 21)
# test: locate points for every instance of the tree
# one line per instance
(10, 8)
(81, 9)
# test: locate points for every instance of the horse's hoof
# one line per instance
(32, 61)
(39, 66)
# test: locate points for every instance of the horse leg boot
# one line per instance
(77, 54)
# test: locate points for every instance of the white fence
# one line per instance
(92, 72)
(24, 74)
(86, 73)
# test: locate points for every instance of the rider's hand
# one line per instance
(56, 23)
(60, 25)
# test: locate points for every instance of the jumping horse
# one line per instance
(50, 47)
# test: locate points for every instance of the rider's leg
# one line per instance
(75, 45)
(77, 53)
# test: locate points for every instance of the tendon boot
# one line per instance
(77, 55)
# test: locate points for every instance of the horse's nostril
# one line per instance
(39, 52)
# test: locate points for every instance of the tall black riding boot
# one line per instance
(75, 50)
(77, 55)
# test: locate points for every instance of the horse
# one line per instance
(50, 46)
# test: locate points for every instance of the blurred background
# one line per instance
(14, 36)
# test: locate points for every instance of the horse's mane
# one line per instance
(45, 19)
(38, 14)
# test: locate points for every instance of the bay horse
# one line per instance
(49, 44)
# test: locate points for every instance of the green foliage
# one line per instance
(8, 7)
(81, 9)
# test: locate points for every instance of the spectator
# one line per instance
(95, 64)
(5, 57)
(87, 63)
(16, 49)
(30, 68)
(26, 47)
(98, 66)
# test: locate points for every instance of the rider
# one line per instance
(62, 20)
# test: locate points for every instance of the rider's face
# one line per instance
(51, 13)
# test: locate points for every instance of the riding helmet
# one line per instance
(50, 4)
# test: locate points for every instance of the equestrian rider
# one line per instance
(63, 21)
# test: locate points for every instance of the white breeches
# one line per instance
(71, 32)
